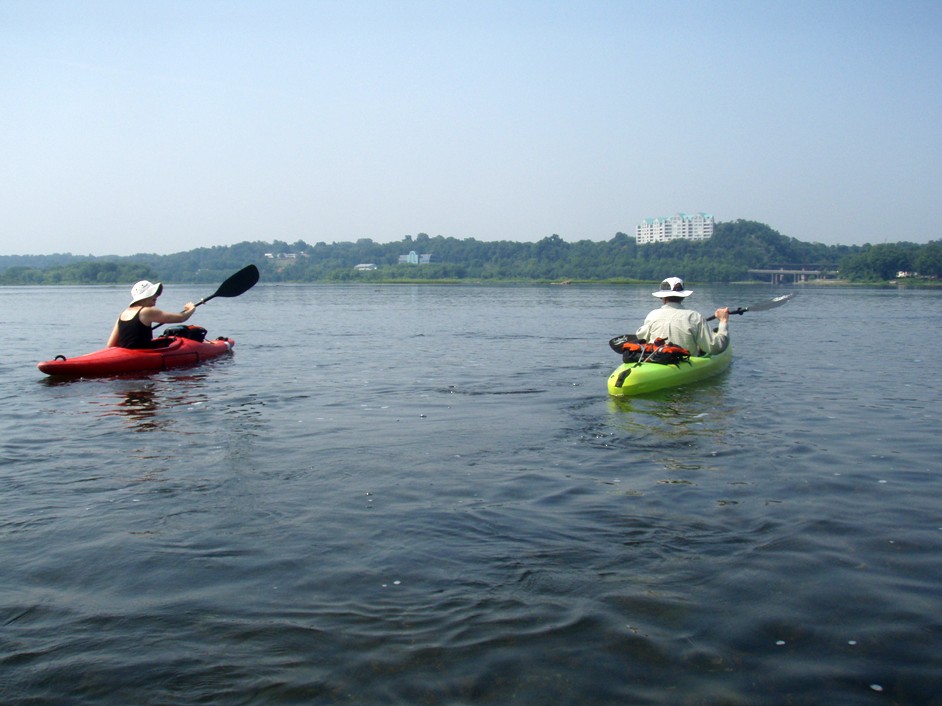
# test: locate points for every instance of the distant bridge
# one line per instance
(797, 273)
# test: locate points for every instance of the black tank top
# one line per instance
(133, 333)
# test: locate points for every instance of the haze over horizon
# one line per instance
(163, 127)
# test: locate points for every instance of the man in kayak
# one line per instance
(134, 327)
(681, 326)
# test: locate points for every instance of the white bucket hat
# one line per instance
(673, 287)
(145, 290)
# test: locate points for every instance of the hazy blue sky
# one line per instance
(160, 126)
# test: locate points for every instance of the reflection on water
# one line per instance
(683, 432)
(702, 409)
(145, 400)
(140, 407)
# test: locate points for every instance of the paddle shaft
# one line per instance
(618, 342)
(740, 310)
(761, 306)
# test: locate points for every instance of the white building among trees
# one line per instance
(681, 226)
(413, 258)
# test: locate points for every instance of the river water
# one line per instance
(423, 495)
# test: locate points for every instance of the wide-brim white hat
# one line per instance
(673, 287)
(145, 290)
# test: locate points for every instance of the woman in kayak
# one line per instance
(683, 327)
(134, 327)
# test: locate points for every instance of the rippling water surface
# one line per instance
(423, 495)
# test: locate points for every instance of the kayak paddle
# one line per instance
(761, 306)
(241, 282)
(618, 342)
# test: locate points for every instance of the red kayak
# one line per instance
(168, 352)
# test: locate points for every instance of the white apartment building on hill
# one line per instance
(681, 226)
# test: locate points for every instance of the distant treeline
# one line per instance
(735, 248)
(83, 271)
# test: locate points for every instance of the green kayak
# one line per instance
(640, 378)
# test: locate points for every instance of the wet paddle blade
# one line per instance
(760, 306)
(770, 303)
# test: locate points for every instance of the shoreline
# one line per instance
(894, 284)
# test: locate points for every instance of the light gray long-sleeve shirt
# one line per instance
(684, 328)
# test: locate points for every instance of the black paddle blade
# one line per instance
(241, 282)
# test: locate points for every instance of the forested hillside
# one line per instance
(735, 248)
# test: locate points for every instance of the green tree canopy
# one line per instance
(735, 248)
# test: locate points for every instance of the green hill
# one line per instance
(735, 248)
